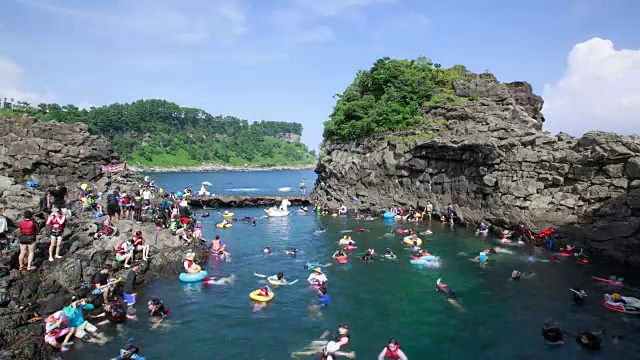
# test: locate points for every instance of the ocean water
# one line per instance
(283, 182)
(501, 319)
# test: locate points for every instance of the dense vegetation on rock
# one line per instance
(390, 97)
(162, 133)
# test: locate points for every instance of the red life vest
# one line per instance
(138, 240)
(126, 200)
(57, 223)
(27, 228)
(393, 354)
(121, 249)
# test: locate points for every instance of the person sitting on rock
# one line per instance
(139, 245)
(56, 327)
(190, 265)
(84, 330)
(102, 283)
(124, 252)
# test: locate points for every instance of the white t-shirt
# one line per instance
(146, 195)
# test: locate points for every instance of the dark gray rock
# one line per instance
(493, 160)
(43, 151)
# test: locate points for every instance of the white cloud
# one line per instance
(193, 22)
(11, 84)
(600, 90)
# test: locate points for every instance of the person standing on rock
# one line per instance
(303, 187)
(57, 197)
(3, 228)
(146, 196)
(56, 222)
(429, 209)
(129, 294)
(451, 213)
(28, 231)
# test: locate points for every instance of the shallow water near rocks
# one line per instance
(502, 319)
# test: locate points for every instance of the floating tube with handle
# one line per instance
(191, 278)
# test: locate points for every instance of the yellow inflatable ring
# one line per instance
(228, 216)
(223, 225)
(409, 240)
(255, 295)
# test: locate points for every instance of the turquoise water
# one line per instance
(285, 182)
(502, 319)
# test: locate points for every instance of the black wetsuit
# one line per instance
(448, 293)
(552, 335)
(591, 341)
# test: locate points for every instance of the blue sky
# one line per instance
(285, 59)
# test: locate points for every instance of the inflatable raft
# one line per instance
(631, 305)
(191, 278)
(409, 240)
(389, 215)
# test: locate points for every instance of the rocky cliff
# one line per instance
(490, 158)
(54, 153)
(50, 152)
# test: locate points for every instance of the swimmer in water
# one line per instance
(329, 348)
(448, 293)
(293, 252)
(229, 280)
(157, 312)
(338, 253)
(515, 275)
(388, 253)
(368, 255)
(552, 333)
(323, 300)
(578, 296)
(267, 250)
(392, 351)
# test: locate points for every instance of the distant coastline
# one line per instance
(217, 168)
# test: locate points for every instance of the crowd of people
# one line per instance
(113, 300)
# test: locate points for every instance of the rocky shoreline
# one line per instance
(216, 168)
(491, 159)
(67, 155)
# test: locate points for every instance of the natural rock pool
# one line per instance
(502, 319)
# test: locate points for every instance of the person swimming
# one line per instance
(280, 277)
(293, 252)
(368, 255)
(448, 293)
(516, 275)
(392, 351)
(267, 250)
(157, 310)
(578, 295)
(338, 253)
(389, 254)
(552, 333)
(589, 340)
(323, 299)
